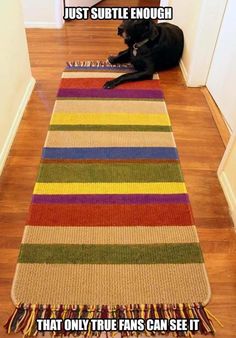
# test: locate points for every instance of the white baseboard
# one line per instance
(164, 3)
(184, 70)
(12, 132)
(43, 25)
(233, 215)
(229, 194)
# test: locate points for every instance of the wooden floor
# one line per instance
(199, 143)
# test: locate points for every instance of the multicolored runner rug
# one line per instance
(110, 232)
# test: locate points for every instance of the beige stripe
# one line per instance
(86, 75)
(82, 75)
(108, 139)
(109, 106)
(109, 235)
(111, 285)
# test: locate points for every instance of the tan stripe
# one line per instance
(109, 106)
(108, 139)
(109, 235)
(111, 285)
(83, 75)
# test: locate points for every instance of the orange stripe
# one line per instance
(80, 83)
(110, 215)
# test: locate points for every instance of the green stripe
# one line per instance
(110, 128)
(114, 172)
(111, 254)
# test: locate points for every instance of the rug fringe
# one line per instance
(24, 317)
(96, 64)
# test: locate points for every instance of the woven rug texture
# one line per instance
(110, 231)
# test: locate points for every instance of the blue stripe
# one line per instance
(105, 68)
(111, 153)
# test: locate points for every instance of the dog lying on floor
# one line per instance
(151, 48)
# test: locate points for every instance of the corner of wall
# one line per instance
(36, 17)
(225, 179)
(229, 195)
(184, 70)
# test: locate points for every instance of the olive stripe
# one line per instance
(115, 172)
(109, 128)
(111, 254)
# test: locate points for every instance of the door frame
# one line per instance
(211, 16)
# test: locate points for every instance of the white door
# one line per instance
(221, 81)
(81, 3)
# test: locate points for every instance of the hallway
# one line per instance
(198, 140)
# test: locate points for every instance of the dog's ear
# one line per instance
(120, 29)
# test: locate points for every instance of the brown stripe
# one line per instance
(113, 284)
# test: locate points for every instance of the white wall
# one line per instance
(200, 21)
(43, 13)
(186, 16)
(16, 82)
(221, 79)
(81, 3)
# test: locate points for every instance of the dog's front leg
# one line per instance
(137, 76)
(122, 57)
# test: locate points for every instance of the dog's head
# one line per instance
(134, 31)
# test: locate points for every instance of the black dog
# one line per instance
(152, 47)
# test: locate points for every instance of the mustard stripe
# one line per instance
(109, 188)
(110, 119)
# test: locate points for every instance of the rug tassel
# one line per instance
(14, 317)
(94, 64)
(209, 314)
(24, 317)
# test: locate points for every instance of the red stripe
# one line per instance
(99, 82)
(110, 215)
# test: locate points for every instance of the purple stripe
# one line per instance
(111, 199)
(114, 93)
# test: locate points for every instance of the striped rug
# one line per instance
(110, 231)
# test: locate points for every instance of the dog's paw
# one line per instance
(112, 60)
(109, 85)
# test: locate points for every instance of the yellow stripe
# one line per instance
(109, 188)
(110, 119)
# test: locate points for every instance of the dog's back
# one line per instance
(168, 47)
